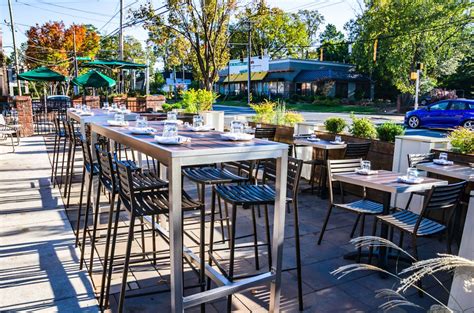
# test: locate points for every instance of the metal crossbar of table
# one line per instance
(206, 148)
(387, 183)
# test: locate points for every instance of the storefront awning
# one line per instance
(313, 75)
(243, 77)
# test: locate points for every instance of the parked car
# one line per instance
(443, 114)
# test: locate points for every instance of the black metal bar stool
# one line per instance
(74, 138)
(251, 195)
(59, 137)
(140, 204)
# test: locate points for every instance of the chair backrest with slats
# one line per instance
(357, 150)
(86, 152)
(124, 174)
(415, 159)
(242, 168)
(340, 167)
(265, 133)
(294, 173)
(441, 198)
(105, 165)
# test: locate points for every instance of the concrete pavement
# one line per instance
(39, 268)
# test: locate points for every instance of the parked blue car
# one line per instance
(443, 114)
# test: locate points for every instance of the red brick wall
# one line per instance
(25, 115)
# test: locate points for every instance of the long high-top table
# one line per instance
(206, 148)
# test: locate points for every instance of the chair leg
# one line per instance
(374, 231)
(126, 263)
(232, 254)
(298, 256)
(400, 241)
(71, 175)
(268, 237)
(361, 233)
(94, 228)
(54, 157)
(107, 247)
(79, 210)
(153, 237)
(13, 144)
(56, 161)
(323, 229)
(69, 151)
(62, 163)
(112, 254)
(221, 216)
(415, 255)
(202, 247)
(211, 234)
(86, 218)
(355, 226)
(255, 238)
(142, 229)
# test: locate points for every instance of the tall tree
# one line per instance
(203, 26)
(313, 21)
(435, 33)
(52, 44)
(132, 49)
(333, 44)
(272, 29)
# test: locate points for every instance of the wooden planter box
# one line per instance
(455, 156)
(119, 100)
(92, 101)
(154, 103)
(283, 133)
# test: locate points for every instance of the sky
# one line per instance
(104, 14)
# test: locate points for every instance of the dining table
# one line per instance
(388, 184)
(456, 170)
(203, 148)
(325, 146)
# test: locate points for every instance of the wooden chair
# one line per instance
(356, 150)
(265, 133)
(360, 207)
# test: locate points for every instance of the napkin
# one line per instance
(142, 131)
(366, 172)
(204, 128)
(172, 140)
(442, 162)
(406, 180)
(237, 136)
(117, 123)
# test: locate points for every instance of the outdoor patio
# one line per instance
(38, 252)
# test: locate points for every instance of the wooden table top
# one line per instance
(321, 144)
(459, 171)
(387, 181)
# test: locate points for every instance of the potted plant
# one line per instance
(462, 146)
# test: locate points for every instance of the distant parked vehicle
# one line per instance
(443, 114)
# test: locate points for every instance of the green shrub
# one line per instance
(195, 101)
(362, 127)
(264, 112)
(291, 118)
(462, 140)
(388, 131)
(171, 106)
(335, 125)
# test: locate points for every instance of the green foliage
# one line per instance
(362, 127)
(195, 101)
(331, 40)
(264, 111)
(171, 106)
(388, 131)
(435, 33)
(335, 125)
(462, 140)
(291, 118)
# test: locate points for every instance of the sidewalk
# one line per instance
(39, 270)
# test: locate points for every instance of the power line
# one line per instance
(69, 8)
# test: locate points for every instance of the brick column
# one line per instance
(155, 102)
(25, 115)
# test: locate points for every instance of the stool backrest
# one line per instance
(265, 133)
(124, 174)
(105, 161)
(441, 198)
(418, 158)
(293, 174)
(86, 152)
(340, 167)
(357, 150)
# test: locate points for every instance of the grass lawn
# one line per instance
(309, 107)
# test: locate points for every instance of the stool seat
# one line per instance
(212, 175)
(146, 181)
(406, 220)
(247, 194)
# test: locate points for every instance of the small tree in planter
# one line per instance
(363, 128)
(335, 125)
(462, 140)
(264, 112)
(195, 101)
(388, 131)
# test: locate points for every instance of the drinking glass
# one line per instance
(236, 127)
(412, 173)
(84, 108)
(114, 106)
(186, 124)
(78, 107)
(119, 117)
(123, 108)
(337, 139)
(171, 116)
(106, 106)
(170, 129)
(365, 165)
(198, 121)
(142, 122)
(443, 156)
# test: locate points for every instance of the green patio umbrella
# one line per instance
(112, 64)
(42, 73)
(94, 79)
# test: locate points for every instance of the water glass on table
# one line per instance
(412, 173)
(198, 121)
(236, 127)
(142, 122)
(105, 106)
(337, 139)
(170, 129)
(171, 116)
(443, 156)
(365, 166)
(119, 117)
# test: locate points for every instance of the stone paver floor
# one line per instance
(322, 291)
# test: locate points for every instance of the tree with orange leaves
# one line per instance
(52, 45)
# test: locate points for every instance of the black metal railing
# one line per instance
(45, 113)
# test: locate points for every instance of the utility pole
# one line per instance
(147, 75)
(417, 88)
(121, 47)
(12, 25)
(249, 67)
(76, 69)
